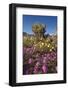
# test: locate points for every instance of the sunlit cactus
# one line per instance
(39, 29)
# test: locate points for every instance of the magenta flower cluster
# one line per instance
(35, 62)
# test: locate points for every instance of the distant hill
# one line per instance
(46, 35)
(26, 34)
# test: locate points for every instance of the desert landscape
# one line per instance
(39, 51)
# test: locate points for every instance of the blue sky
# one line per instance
(49, 21)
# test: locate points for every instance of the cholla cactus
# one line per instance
(39, 29)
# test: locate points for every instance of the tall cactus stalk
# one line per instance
(39, 30)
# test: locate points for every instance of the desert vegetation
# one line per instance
(39, 51)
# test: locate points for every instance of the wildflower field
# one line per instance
(39, 51)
